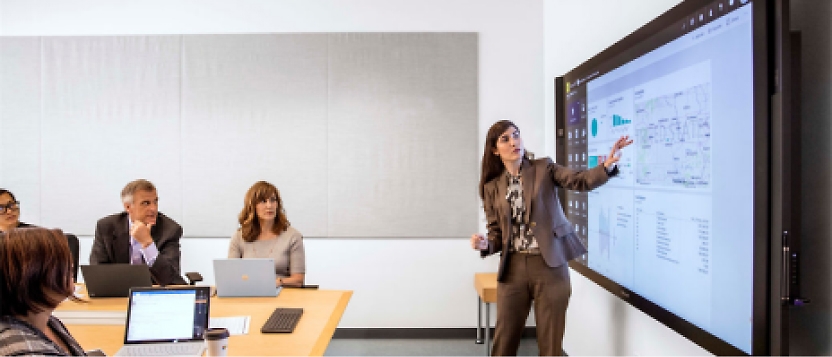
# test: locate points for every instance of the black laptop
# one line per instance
(114, 280)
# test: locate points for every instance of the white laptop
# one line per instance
(245, 277)
(166, 321)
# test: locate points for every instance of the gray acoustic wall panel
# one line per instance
(20, 111)
(365, 135)
(110, 115)
(254, 108)
(402, 134)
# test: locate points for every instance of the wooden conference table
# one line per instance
(322, 311)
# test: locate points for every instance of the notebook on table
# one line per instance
(166, 321)
(114, 280)
(245, 277)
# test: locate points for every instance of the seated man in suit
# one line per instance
(140, 235)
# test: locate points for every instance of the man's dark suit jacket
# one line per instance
(112, 246)
(555, 235)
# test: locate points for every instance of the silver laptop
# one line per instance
(245, 277)
(166, 321)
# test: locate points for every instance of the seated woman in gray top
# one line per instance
(265, 233)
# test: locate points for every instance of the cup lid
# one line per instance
(216, 333)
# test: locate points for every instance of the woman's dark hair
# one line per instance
(492, 165)
(249, 222)
(35, 271)
(3, 190)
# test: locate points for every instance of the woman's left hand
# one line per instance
(615, 155)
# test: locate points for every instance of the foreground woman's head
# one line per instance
(35, 271)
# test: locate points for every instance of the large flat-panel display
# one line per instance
(678, 230)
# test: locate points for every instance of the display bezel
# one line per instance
(653, 35)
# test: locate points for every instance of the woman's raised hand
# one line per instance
(615, 155)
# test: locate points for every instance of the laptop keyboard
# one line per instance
(163, 349)
(283, 319)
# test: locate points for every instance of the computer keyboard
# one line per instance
(283, 319)
(163, 349)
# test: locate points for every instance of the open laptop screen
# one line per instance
(167, 314)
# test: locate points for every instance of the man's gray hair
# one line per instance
(132, 187)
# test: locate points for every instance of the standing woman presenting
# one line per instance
(525, 223)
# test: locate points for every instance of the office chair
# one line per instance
(193, 277)
(72, 240)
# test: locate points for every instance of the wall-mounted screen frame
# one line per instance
(712, 63)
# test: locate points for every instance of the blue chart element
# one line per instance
(594, 127)
(593, 161)
(618, 120)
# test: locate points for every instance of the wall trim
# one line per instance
(419, 333)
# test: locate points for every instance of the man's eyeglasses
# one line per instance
(10, 207)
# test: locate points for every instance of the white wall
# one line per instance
(599, 323)
(397, 282)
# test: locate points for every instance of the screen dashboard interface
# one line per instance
(675, 225)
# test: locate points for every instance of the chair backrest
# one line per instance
(74, 248)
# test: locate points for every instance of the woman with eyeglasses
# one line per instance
(9, 212)
(266, 233)
(10, 219)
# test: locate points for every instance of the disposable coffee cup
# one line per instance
(216, 341)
